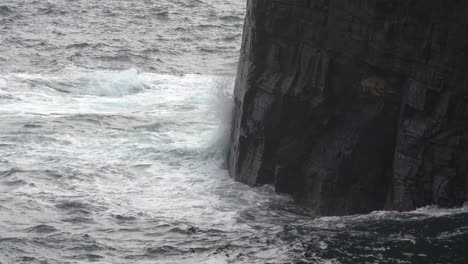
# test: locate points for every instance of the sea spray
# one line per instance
(222, 104)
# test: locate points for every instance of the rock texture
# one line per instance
(354, 105)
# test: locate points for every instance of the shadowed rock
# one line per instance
(354, 106)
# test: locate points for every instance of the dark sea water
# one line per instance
(114, 118)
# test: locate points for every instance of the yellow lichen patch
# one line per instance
(373, 85)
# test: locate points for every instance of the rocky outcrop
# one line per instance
(354, 106)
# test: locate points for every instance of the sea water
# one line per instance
(114, 126)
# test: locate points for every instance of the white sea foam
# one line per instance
(79, 81)
(111, 83)
(3, 83)
(437, 211)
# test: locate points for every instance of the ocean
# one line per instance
(114, 127)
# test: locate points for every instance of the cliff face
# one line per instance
(354, 106)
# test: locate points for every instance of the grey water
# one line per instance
(114, 120)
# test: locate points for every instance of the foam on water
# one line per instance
(112, 84)
(135, 163)
(437, 211)
(93, 169)
(101, 83)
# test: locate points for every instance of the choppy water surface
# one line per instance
(113, 126)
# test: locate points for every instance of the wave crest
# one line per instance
(112, 83)
(98, 83)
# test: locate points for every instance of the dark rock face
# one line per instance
(354, 106)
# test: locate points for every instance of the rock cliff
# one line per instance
(354, 105)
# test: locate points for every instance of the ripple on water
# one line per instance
(42, 229)
(79, 208)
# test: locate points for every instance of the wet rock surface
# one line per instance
(354, 106)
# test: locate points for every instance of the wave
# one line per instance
(112, 83)
(382, 217)
(436, 211)
(44, 229)
(189, 115)
(98, 83)
(231, 18)
(78, 45)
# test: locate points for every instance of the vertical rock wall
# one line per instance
(354, 105)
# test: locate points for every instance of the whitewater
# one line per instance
(114, 129)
